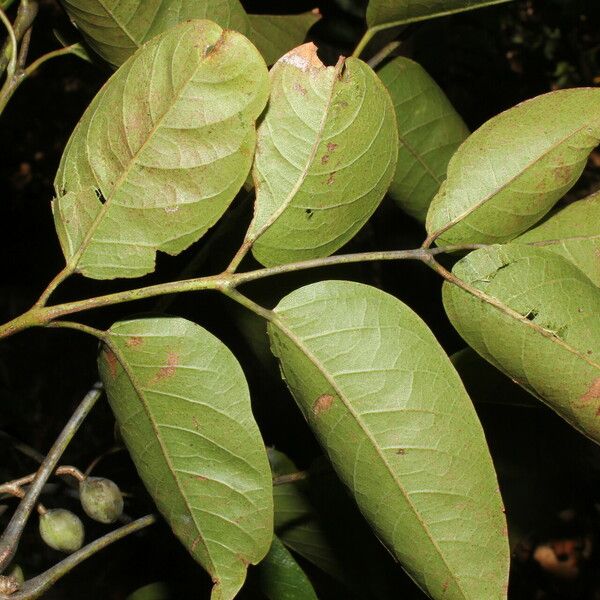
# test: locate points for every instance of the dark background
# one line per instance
(486, 61)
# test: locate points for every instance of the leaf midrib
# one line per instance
(309, 163)
(125, 366)
(438, 232)
(277, 322)
(73, 261)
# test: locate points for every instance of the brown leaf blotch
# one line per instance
(169, 369)
(593, 392)
(322, 404)
(331, 146)
(134, 341)
(111, 361)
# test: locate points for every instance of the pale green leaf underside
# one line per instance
(398, 12)
(281, 577)
(553, 350)
(429, 132)
(326, 153)
(161, 151)
(510, 172)
(274, 35)
(183, 408)
(400, 430)
(115, 29)
(574, 233)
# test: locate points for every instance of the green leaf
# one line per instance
(161, 151)
(574, 233)
(183, 408)
(546, 333)
(429, 130)
(281, 577)
(274, 35)
(388, 13)
(400, 430)
(115, 29)
(296, 522)
(152, 591)
(325, 156)
(510, 172)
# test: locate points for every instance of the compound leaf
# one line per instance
(115, 29)
(274, 35)
(183, 408)
(429, 131)
(574, 233)
(400, 430)
(510, 172)
(281, 577)
(545, 334)
(388, 13)
(325, 156)
(161, 151)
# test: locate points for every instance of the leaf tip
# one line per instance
(303, 57)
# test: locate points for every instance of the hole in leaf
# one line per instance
(309, 212)
(531, 315)
(100, 195)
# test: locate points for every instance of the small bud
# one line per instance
(62, 530)
(101, 499)
(8, 585)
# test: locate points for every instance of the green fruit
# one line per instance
(101, 499)
(62, 530)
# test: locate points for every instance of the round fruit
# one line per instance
(101, 499)
(62, 530)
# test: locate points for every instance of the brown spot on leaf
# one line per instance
(169, 369)
(134, 341)
(325, 159)
(300, 89)
(593, 393)
(200, 478)
(111, 361)
(401, 451)
(303, 57)
(331, 178)
(331, 146)
(322, 403)
(195, 543)
(563, 173)
(444, 587)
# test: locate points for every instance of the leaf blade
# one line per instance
(574, 233)
(429, 130)
(116, 29)
(548, 340)
(510, 172)
(274, 35)
(325, 156)
(161, 152)
(347, 382)
(186, 420)
(388, 13)
(281, 577)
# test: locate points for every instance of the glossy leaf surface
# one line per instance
(510, 172)
(397, 12)
(429, 132)
(547, 338)
(115, 29)
(325, 156)
(183, 408)
(400, 430)
(161, 151)
(574, 233)
(281, 577)
(274, 35)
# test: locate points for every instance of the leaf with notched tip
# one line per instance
(325, 156)
(400, 431)
(183, 408)
(161, 151)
